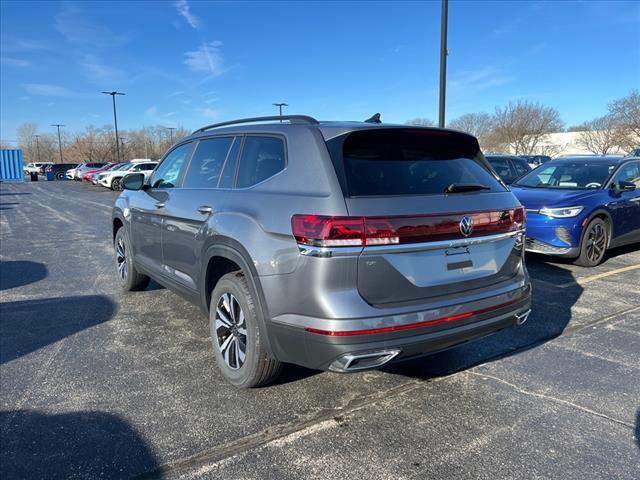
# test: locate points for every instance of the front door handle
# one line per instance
(205, 210)
(159, 204)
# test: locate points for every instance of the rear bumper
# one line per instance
(401, 336)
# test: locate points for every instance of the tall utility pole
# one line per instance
(38, 146)
(280, 105)
(443, 61)
(171, 129)
(115, 120)
(59, 141)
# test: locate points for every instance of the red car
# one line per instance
(87, 175)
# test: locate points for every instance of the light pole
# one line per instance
(443, 61)
(38, 146)
(171, 129)
(59, 141)
(280, 105)
(115, 119)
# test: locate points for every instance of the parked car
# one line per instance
(579, 207)
(634, 153)
(86, 176)
(338, 246)
(535, 161)
(113, 178)
(508, 167)
(59, 169)
(83, 168)
(34, 167)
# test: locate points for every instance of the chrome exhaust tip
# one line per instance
(522, 317)
(352, 362)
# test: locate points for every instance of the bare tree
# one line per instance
(626, 114)
(521, 126)
(600, 135)
(421, 122)
(480, 125)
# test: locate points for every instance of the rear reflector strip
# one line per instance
(325, 231)
(409, 326)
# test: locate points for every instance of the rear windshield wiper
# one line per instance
(465, 187)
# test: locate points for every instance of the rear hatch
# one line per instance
(437, 221)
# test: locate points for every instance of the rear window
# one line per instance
(410, 162)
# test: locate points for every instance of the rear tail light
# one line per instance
(326, 231)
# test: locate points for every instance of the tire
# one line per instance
(594, 243)
(130, 278)
(60, 176)
(116, 184)
(233, 321)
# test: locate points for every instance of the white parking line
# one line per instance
(583, 280)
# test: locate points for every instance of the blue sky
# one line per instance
(192, 63)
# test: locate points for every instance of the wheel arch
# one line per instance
(608, 221)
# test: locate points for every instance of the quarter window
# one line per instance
(262, 157)
(207, 163)
(167, 173)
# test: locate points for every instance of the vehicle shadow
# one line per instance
(550, 315)
(27, 325)
(84, 444)
(638, 428)
(21, 272)
(612, 253)
(3, 194)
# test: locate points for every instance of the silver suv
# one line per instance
(333, 245)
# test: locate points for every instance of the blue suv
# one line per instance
(578, 207)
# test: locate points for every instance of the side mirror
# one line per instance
(624, 186)
(133, 181)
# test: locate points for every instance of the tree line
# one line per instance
(522, 127)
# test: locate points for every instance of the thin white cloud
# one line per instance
(158, 117)
(474, 81)
(209, 101)
(48, 90)
(12, 44)
(184, 10)
(175, 94)
(207, 59)
(73, 25)
(208, 112)
(96, 70)
(14, 62)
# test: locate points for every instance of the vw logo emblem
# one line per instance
(466, 226)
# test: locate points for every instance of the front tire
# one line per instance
(59, 176)
(116, 184)
(130, 278)
(594, 243)
(240, 352)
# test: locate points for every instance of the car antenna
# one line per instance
(374, 119)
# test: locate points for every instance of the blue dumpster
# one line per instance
(11, 166)
(50, 176)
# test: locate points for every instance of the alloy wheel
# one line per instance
(121, 258)
(596, 242)
(231, 331)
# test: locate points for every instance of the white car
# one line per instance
(113, 178)
(35, 167)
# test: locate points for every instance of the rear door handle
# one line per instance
(159, 204)
(205, 210)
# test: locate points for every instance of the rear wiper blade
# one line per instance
(465, 187)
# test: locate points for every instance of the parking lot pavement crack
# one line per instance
(282, 432)
(552, 399)
(577, 328)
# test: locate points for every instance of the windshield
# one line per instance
(568, 175)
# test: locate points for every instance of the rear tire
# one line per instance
(60, 176)
(240, 352)
(594, 243)
(116, 184)
(130, 278)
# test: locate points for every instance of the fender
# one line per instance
(234, 251)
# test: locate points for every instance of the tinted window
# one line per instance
(521, 166)
(262, 157)
(207, 163)
(411, 162)
(144, 166)
(630, 173)
(229, 171)
(501, 166)
(167, 173)
(569, 175)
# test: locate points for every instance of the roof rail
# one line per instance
(291, 118)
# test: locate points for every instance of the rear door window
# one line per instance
(262, 157)
(207, 163)
(411, 162)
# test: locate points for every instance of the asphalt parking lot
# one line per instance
(96, 383)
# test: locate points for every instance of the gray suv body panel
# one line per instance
(300, 289)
